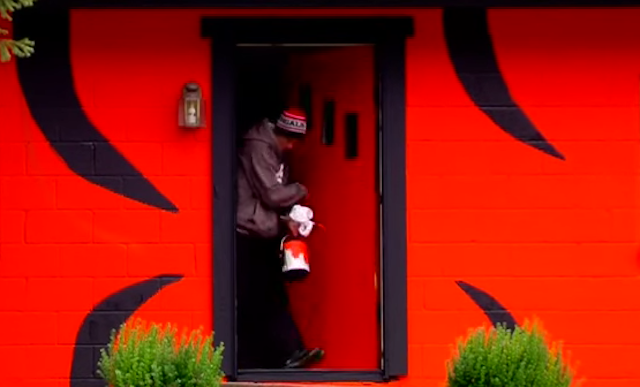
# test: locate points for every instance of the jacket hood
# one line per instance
(263, 132)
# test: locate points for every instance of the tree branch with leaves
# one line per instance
(21, 48)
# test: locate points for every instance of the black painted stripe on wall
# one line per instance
(471, 50)
(47, 83)
(109, 314)
(491, 307)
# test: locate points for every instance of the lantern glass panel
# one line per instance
(191, 112)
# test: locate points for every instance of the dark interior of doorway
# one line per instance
(264, 87)
(260, 85)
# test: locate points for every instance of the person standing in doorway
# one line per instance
(267, 334)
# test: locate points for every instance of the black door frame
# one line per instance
(388, 35)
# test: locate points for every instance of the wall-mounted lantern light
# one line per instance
(191, 114)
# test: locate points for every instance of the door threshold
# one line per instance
(292, 384)
(284, 384)
(286, 376)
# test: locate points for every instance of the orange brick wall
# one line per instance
(556, 239)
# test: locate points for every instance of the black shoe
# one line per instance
(305, 358)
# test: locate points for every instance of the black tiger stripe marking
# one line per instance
(474, 60)
(47, 83)
(109, 314)
(491, 307)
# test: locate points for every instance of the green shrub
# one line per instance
(139, 356)
(500, 357)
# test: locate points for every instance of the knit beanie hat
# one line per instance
(293, 120)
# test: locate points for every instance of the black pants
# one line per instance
(267, 334)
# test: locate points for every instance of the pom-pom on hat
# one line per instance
(293, 120)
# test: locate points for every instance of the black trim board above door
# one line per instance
(334, 3)
(388, 35)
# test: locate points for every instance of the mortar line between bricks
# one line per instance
(24, 226)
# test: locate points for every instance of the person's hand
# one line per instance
(305, 191)
(294, 228)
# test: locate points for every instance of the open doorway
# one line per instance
(337, 307)
(348, 74)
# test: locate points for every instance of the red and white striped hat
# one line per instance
(293, 120)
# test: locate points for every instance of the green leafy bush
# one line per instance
(142, 356)
(23, 47)
(499, 357)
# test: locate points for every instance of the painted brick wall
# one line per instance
(68, 244)
(552, 239)
(556, 239)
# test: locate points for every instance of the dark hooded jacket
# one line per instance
(263, 192)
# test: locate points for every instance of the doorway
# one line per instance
(348, 74)
(337, 162)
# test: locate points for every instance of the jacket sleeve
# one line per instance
(263, 167)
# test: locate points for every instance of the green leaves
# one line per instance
(21, 48)
(141, 356)
(7, 6)
(499, 357)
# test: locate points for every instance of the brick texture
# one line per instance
(44, 227)
(550, 239)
